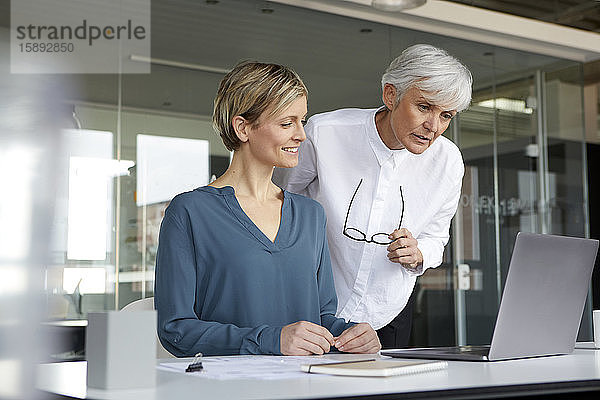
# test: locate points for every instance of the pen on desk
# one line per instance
(196, 364)
(342, 362)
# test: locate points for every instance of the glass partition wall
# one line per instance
(137, 140)
(528, 177)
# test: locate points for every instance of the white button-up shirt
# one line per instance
(343, 147)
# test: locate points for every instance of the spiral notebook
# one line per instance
(374, 367)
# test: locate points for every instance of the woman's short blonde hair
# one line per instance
(249, 90)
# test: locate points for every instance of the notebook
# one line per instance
(375, 367)
(542, 304)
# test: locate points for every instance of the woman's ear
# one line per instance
(240, 126)
(389, 96)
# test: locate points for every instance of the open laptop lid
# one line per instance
(542, 304)
(544, 296)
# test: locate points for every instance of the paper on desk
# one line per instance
(248, 367)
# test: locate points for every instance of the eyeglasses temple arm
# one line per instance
(401, 215)
(350, 205)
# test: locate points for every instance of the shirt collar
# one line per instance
(382, 152)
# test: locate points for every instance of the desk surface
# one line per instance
(544, 375)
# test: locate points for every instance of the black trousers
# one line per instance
(396, 334)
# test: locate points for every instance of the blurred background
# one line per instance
(89, 162)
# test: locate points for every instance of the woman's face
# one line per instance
(415, 122)
(274, 139)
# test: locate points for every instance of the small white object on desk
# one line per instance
(121, 350)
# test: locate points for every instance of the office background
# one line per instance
(530, 141)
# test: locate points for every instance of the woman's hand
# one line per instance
(360, 338)
(304, 338)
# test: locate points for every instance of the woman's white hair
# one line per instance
(444, 81)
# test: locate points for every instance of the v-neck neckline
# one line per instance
(228, 193)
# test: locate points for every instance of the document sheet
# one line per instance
(249, 367)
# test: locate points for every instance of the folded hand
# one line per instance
(360, 338)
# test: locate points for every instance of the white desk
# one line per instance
(579, 371)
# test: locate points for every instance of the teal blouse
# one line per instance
(222, 287)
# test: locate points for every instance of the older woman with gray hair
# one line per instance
(390, 185)
(243, 266)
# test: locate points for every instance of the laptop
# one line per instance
(542, 304)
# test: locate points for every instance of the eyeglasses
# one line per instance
(378, 238)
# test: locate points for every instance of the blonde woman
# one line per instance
(243, 266)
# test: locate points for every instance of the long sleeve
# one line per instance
(436, 234)
(178, 269)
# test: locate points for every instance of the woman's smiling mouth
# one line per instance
(293, 150)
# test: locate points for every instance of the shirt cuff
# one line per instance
(431, 257)
(270, 340)
(415, 271)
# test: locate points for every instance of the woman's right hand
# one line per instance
(304, 338)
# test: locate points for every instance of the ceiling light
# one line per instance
(397, 5)
(505, 104)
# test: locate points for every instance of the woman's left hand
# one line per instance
(360, 338)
